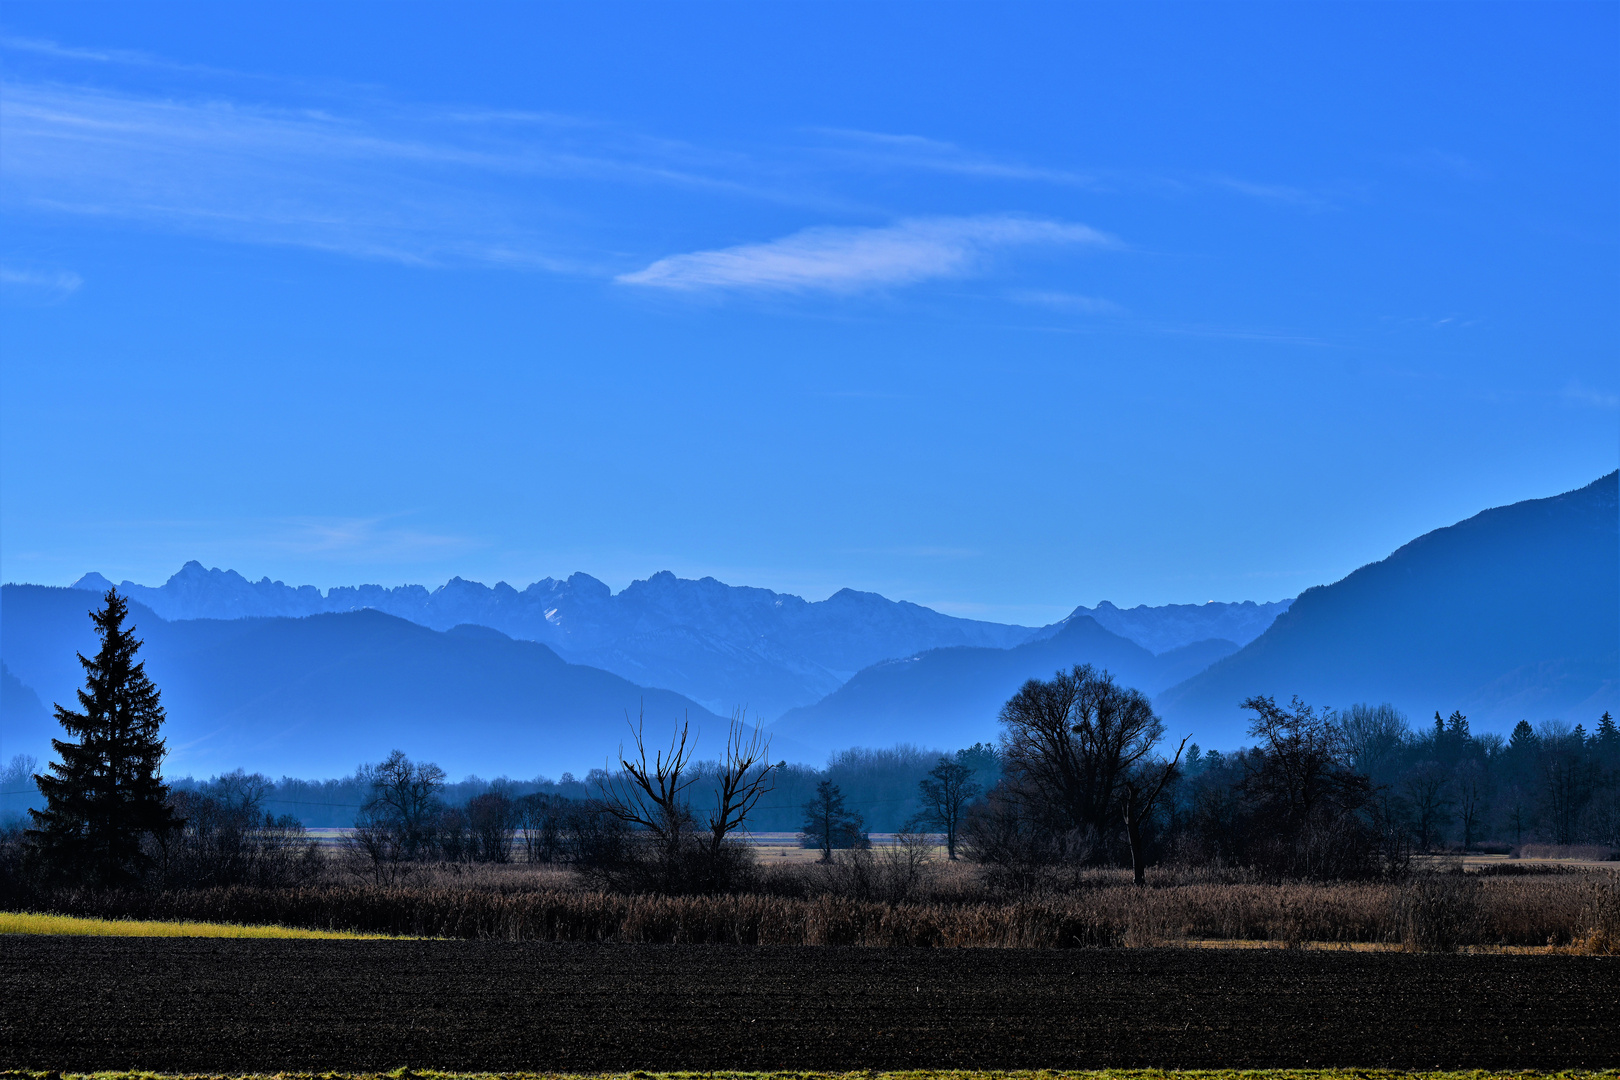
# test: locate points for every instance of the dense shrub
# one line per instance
(225, 839)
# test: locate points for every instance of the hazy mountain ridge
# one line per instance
(722, 645)
(1511, 614)
(1170, 626)
(317, 695)
(952, 696)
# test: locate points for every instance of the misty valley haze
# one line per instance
(1508, 615)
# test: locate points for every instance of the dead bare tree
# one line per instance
(741, 780)
(652, 794)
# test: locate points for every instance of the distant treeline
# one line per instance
(1553, 783)
(880, 785)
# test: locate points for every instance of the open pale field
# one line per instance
(772, 847)
(178, 1005)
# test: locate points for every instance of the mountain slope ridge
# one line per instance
(320, 694)
(1513, 613)
(952, 696)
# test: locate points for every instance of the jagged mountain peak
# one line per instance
(1172, 626)
(717, 643)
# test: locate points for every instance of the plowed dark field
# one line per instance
(223, 1005)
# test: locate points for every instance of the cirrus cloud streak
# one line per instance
(849, 259)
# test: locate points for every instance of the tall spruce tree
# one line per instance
(105, 794)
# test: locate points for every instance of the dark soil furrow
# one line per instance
(236, 1005)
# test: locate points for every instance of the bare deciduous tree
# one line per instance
(541, 818)
(652, 794)
(1070, 741)
(493, 821)
(1427, 788)
(744, 777)
(1473, 800)
(398, 821)
(1138, 791)
(946, 793)
(1301, 756)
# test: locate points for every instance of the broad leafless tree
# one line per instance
(654, 795)
(398, 821)
(1473, 800)
(1300, 759)
(1072, 739)
(1427, 789)
(492, 819)
(1372, 735)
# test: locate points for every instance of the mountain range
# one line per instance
(317, 696)
(722, 645)
(1511, 614)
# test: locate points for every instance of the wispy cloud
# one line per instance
(1063, 301)
(414, 186)
(880, 150)
(844, 259)
(873, 148)
(45, 284)
(257, 175)
(45, 47)
(1279, 193)
(375, 539)
(1579, 393)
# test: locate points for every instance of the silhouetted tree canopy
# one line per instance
(105, 795)
(828, 824)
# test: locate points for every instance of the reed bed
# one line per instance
(1430, 912)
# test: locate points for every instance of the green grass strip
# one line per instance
(16, 922)
(943, 1074)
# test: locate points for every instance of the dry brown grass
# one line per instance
(1579, 912)
(928, 1074)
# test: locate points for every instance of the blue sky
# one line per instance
(997, 308)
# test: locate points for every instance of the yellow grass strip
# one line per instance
(988, 1074)
(19, 922)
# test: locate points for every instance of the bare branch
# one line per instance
(740, 786)
(652, 794)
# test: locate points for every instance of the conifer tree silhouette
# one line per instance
(828, 824)
(105, 793)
